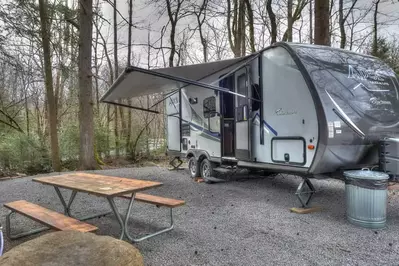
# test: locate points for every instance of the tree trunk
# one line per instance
(292, 18)
(341, 23)
(116, 131)
(251, 26)
(97, 8)
(236, 29)
(116, 69)
(173, 18)
(172, 44)
(273, 23)
(322, 22)
(311, 21)
(147, 130)
(342, 20)
(108, 130)
(375, 29)
(200, 22)
(52, 108)
(129, 114)
(290, 21)
(86, 125)
(241, 34)
(111, 80)
(26, 110)
(129, 42)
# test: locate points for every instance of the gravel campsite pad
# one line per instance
(240, 222)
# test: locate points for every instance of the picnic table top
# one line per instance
(99, 185)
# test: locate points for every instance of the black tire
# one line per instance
(206, 170)
(194, 168)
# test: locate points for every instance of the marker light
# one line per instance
(311, 147)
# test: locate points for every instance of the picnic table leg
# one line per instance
(67, 207)
(122, 223)
(14, 237)
(135, 240)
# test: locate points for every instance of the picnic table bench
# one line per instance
(108, 187)
(45, 216)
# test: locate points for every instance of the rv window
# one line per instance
(209, 107)
(242, 89)
(255, 95)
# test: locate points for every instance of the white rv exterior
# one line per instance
(289, 124)
(303, 109)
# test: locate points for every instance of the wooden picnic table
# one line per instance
(108, 187)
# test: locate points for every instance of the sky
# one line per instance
(145, 13)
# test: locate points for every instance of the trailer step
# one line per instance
(230, 159)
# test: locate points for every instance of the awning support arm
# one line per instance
(133, 107)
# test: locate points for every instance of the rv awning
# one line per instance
(135, 81)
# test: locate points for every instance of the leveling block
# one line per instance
(393, 186)
(199, 180)
(305, 210)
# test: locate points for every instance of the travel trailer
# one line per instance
(307, 110)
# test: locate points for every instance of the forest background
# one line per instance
(58, 57)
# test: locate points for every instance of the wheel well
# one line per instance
(201, 158)
(189, 155)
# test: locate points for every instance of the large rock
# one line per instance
(73, 248)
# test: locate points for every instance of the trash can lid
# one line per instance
(366, 174)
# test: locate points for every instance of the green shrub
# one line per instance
(20, 152)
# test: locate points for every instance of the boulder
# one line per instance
(73, 248)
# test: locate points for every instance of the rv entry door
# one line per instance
(173, 122)
(242, 119)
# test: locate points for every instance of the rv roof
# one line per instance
(134, 81)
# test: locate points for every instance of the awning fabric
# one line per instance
(135, 81)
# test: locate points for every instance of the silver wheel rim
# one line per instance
(192, 167)
(206, 170)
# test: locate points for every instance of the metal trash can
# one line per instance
(366, 198)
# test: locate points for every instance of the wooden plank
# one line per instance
(97, 184)
(305, 210)
(156, 200)
(51, 218)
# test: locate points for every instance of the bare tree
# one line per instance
(273, 23)
(236, 28)
(342, 20)
(250, 16)
(129, 53)
(52, 108)
(86, 125)
(375, 29)
(116, 69)
(310, 21)
(290, 21)
(322, 22)
(174, 14)
(200, 15)
(292, 18)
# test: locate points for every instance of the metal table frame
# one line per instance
(122, 222)
(67, 204)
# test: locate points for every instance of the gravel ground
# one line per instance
(242, 222)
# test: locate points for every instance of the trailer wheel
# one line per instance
(206, 170)
(194, 167)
